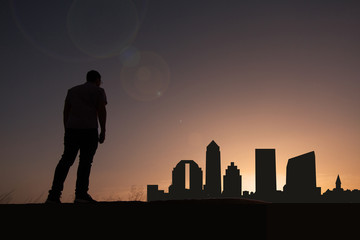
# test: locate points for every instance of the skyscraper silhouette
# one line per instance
(265, 173)
(213, 171)
(232, 182)
(301, 178)
(178, 190)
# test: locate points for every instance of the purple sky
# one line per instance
(178, 74)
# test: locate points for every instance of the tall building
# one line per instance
(265, 173)
(232, 182)
(301, 178)
(178, 189)
(213, 171)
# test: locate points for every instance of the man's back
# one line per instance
(84, 106)
(83, 101)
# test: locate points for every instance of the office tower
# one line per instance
(301, 178)
(178, 189)
(265, 172)
(232, 182)
(213, 171)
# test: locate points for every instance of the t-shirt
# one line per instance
(84, 100)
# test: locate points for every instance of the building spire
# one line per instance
(213, 145)
(338, 182)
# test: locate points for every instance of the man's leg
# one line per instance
(88, 148)
(71, 148)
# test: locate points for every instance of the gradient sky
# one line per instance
(178, 74)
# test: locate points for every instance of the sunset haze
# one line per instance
(249, 75)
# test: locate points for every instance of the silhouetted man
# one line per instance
(84, 106)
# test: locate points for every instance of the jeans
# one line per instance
(85, 140)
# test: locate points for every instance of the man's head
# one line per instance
(94, 77)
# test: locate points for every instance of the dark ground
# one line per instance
(191, 219)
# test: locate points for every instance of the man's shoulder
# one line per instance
(87, 88)
(75, 88)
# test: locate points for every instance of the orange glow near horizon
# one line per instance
(246, 75)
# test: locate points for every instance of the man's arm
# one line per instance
(102, 120)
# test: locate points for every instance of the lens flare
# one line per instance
(43, 24)
(148, 80)
(102, 28)
(130, 57)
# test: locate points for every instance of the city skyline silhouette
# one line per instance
(274, 83)
(187, 181)
(247, 74)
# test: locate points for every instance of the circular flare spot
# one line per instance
(102, 28)
(148, 80)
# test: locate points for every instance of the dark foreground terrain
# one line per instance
(191, 219)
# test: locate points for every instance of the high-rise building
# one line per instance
(265, 181)
(301, 178)
(213, 171)
(232, 182)
(178, 188)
